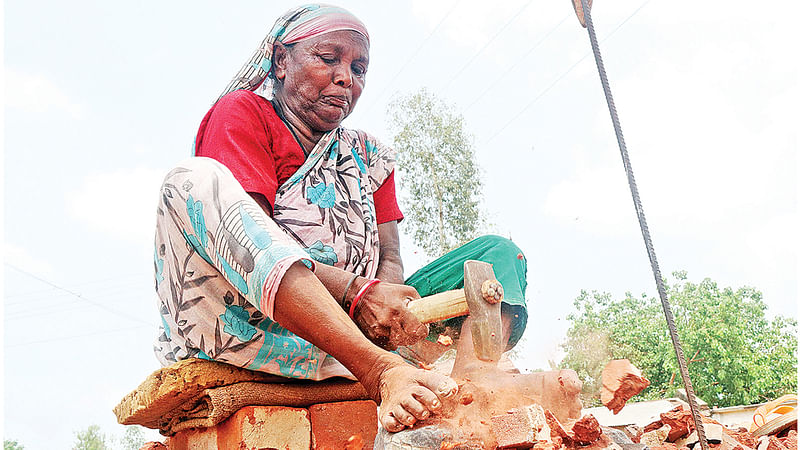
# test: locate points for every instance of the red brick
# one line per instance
(252, 427)
(520, 427)
(152, 445)
(332, 424)
(680, 421)
(621, 381)
(586, 430)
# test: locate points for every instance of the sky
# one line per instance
(102, 98)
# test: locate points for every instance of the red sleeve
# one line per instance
(386, 207)
(235, 133)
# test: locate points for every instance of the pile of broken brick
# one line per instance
(537, 428)
(533, 427)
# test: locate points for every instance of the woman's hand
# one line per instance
(383, 317)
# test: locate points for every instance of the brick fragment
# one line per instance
(557, 431)
(790, 441)
(333, 424)
(521, 427)
(656, 437)
(251, 427)
(743, 437)
(621, 381)
(776, 444)
(680, 421)
(586, 430)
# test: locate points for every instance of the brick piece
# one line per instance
(776, 444)
(621, 381)
(656, 437)
(743, 437)
(586, 430)
(556, 429)
(521, 427)
(790, 440)
(680, 421)
(333, 424)
(252, 427)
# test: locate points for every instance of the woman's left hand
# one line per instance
(383, 316)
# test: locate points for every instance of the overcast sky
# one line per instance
(102, 98)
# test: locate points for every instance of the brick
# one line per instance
(521, 427)
(656, 437)
(333, 424)
(252, 427)
(586, 430)
(621, 381)
(680, 421)
(153, 445)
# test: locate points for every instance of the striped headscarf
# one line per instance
(295, 25)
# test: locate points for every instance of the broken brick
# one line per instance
(520, 427)
(790, 440)
(557, 431)
(334, 424)
(743, 437)
(586, 430)
(621, 381)
(656, 437)
(153, 445)
(776, 444)
(680, 421)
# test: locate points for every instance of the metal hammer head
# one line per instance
(484, 294)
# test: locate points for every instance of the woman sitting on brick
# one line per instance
(277, 246)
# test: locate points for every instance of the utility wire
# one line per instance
(413, 55)
(502, 28)
(560, 77)
(519, 60)
(93, 302)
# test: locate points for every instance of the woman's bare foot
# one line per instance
(408, 395)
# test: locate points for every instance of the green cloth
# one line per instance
(510, 268)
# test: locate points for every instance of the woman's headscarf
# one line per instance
(295, 25)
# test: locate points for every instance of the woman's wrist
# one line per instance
(360, 294)
(352, 288)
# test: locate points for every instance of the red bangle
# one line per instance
(360, 294)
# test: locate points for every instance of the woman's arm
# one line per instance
(381, 314)
(390, 264)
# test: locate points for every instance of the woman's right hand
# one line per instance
(384, 318)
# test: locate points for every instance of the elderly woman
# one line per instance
(277, 246)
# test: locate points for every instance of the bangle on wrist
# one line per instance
(347, 288)
(360, 294)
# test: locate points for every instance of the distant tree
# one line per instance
(90, 439)
(12, 445)
(736, 355)
(133, 439)
(436, 158)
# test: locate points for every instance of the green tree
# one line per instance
(436, 158)
(90, 439)
(133, 439)
(12, 445)
(736, 355)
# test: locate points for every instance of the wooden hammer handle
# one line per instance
(436, 307)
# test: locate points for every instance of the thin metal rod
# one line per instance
(651, 253)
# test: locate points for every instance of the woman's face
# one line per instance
(321, 79)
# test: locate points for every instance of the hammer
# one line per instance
(480, 298)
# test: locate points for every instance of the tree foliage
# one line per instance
(90, 439)
(436, 157)
(133, 439)
(12, 445)
(736, 355)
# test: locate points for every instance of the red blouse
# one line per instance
(243, 132)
